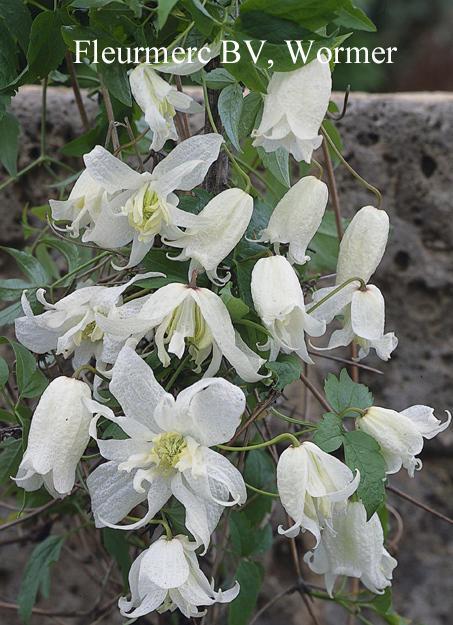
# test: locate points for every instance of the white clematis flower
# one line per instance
(167, 576)
(227, 215)
(82, 206)
(147, 205)
(297, 217)
(167, 451)
(69, 326)
(159, 103)
(294, 107)
(181, 313)
(57, 439)
(279, 301)
(314, 488)
(400, 434)
(357, 550)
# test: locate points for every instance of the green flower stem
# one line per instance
(76, 529)
(282, 416)
(358, 410)
(182, 364)
(136, 295)
(335, 291)
(259, 176)
(260, 492)
(275, 440)
(165, 524)
(74, 271)
(349, 168)
(89, 368)
(318, 165)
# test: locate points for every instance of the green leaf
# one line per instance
(344, 393)
(242, 534)
(117, 546)
(230, 108)
(37, 574)
(244, 273)
(352, 17)
(30, 380)
(362, 452)
(219, 78)
(10, 458)
(259, 471)
(116, 81)
(263, 540)
(11, 290)
(8, 58)
(7, 416)
(252, 106)
(9, 143)
(67, 249)
(278, 164)
(195, 203)
(5, 101)
(163, 10)
(326, 244)
(47, 47)
(157, 260)
(250, 575)
(245, 71)
(17, 19)
(329, 436)
(262, 212)
(287, 369)
(4, 372)
(30, 267)
(9, 314)
(235, 306)
(177, 516)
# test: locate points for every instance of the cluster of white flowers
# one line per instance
(166, 447)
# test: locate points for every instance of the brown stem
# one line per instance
(316, 393)
(184, 116)
(346, 362)
(421, 505)
(76, 89)
(333, 189)
(27, 517)
(255, 414)
(134, 143)
(111, 117)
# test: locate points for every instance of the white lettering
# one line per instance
(357, 55)
(177, 51)
(234, 51)
(252, 53)
(78, 50)
(107, 51)
(337, 51)
(300, 50)
(120, 56)
(136, 57)
(200, 54)
(390, 50)
(322, 57)
(155, 51)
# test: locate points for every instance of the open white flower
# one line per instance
(294, 108)
(227, 216)
(159, 103)
(167, 576)
(314, 488)
(181, 313)
(167, 451)
(82, 206)
(356, 549)
(297, 217)
(69, 326)
(147, 205)
(57, 439)
(279, 301)
(400, 434)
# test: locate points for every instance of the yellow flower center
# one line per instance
(168, 450)
(146, 210)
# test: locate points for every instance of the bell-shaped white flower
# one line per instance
(167, 451)
(297, 217)
(82, 206)
(147, 205)
(57, 439)
(279, 301)
(69, 326)
(159, 103)
(167, 576)
(294, 107)
(314, 488)
(400, 434)
(356, 550)
(227, 216)
(364, 320)
(180, 313)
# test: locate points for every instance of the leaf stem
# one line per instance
(275, 440)
(260, 492)
(335, 291)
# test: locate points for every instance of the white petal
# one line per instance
(424, 420)
(165, 564)
(111, 173)
(368, 313)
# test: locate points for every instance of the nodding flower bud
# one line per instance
(58, 437)
(363, 244)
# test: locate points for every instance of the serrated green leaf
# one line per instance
(117, 546)
(116, 80)
(30, 267)
(259, 471)
(277, 163)
(163, 10)
(262, 212)
(351, 17)
(10, 457)
(11, 290)
(287, 369)
(7, 416)
(325, 244)
(8, 58)
(219, 78)
(4, 372)
(244, 273)
(235, 306)
(17, 19)
(242, 534)
(252, 106)
(9, 314)
(250, 575)
(67, 249)
(245, 71)
(177, 516)
(263, 540)
(329, 436)
(296, 10)
(344, 393)
(47, 47)
(37, 574)
(230, 108)
(362, 452)
(9, 143)
(195, 203)
(158, 261)
(30, 380)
